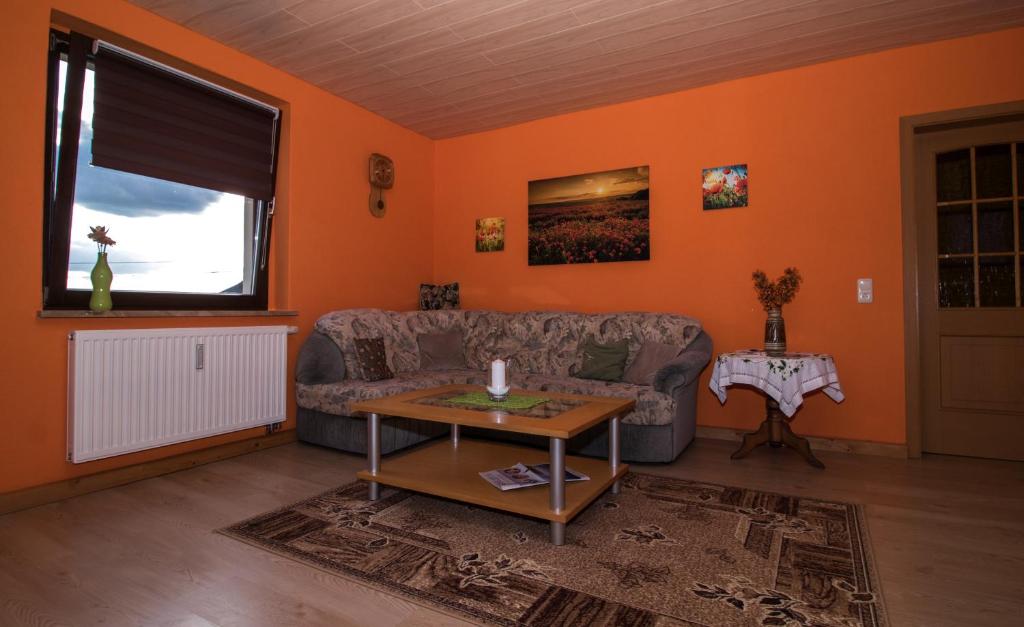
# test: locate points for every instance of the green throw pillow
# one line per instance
(604, 362)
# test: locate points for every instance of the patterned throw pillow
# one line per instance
(373, 359)
(439, 296)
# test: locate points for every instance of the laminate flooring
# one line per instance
(947, 532)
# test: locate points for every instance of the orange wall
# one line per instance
(329, 252)
(822, 143)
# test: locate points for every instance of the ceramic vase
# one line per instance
(775, 333)
(101, 279)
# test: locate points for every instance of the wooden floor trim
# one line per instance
(67, 488)
(837, 445)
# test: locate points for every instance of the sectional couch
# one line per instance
(545, 347)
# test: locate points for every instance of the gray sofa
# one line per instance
(545, 347)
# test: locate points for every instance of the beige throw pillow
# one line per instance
(441, 351)
(648, 361)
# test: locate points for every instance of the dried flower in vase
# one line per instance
(99, 235)
(782, 291)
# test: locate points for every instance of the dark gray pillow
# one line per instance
(320, 361)
(648, 361)
(603, 362)
(441, 351)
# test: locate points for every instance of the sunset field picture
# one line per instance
(590, 218)
(725, 187)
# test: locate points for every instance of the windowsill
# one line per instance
(153, 313)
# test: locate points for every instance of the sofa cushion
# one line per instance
(652, 407)
(538, 342)
(335, 398)
(441, 351)
(548, 342)
(603, 362)
(373, 359)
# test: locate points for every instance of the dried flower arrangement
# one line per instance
(99, 235)
(775, 294)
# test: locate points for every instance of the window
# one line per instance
(180, 172)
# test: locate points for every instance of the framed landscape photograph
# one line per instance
(725, 187)
(590, 218)
(490, 235)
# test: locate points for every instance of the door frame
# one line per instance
(910, 127)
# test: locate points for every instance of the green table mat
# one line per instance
(514, 401)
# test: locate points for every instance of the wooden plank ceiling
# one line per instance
(450, 67)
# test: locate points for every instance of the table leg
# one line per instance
(455, 436)
(613, 450)
(776, 421)
(753, 440)
(373, 452)
(775, 431)
(557, 488)
(800, 445)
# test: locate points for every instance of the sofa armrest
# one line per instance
(686, 367)
(319, 361)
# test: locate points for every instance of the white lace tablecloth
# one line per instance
(786, 379)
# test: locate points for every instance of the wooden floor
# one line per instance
(948, 535)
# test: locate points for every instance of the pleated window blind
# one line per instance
(160, 124)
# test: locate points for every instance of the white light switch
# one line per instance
(865, 291)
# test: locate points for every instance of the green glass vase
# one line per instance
(101, 279)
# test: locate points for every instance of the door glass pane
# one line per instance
(996, 281)
(1020, 169)
(956, 233)
(953, 175)
(993, 171)
(995, 227)
(956, 282)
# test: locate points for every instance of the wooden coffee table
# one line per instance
(450, 468)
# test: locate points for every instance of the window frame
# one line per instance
(57, 215)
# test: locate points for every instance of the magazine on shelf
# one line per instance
(523, 476)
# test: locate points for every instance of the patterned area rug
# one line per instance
(663, 552)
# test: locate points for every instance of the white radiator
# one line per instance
(139, 389)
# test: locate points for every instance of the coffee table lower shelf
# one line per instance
(452, 471)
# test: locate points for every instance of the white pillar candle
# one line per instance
(497, 374)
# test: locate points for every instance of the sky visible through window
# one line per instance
(170, 237)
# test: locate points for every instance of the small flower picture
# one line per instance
(490, 235)
(725, 187)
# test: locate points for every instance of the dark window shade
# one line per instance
(156, 123)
